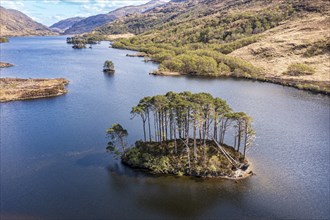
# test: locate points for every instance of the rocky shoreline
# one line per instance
(13, 89)
(159, 159)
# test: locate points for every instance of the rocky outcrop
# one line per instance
(13, 89)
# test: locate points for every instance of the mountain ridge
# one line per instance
(92, 22)
(65, 24)
(16, 23)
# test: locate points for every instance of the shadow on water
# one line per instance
(94, 160)
(178, 197)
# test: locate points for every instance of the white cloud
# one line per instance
(58, 17)
(104, 6)
(18, 5)
(52, 1)
(76, 1)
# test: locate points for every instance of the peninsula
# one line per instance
(184, 134)
(13, 89)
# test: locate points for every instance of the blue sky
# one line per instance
(49, 12)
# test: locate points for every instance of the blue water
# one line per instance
(54, 164)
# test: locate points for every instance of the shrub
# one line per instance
(162, 56)
(3, 39)
(192, 64)
(232, 46)
(223, 69)
(173, 65)
(299, 69)
(317, 48)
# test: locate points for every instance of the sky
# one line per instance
(49, 12)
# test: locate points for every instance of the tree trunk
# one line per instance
(215, 128)
(220, 132)
(235, 141)
(156, 126)
(239, 136)
(160, 127)
(245, 139)
(195, 144)
(175, 144)
(148, 114)
(144, 131)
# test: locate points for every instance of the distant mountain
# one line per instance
(90, 23)
(65, 24)
(15, 23)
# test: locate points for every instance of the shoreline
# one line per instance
(157, 158)
(239, 174)
(305, 85)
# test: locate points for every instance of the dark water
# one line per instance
(54, 164)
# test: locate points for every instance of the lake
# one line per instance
(54, 164)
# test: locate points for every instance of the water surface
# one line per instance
(54, 164)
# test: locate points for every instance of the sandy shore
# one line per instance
(12, 89)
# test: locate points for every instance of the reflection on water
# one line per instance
(175, 196)
(54, 164)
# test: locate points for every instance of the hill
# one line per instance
(15, 23)
(65, 24)
(232, 38)
(90, 23)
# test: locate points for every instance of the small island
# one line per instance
(13, 89)
(80, 41)
(5, 65)
(108, 67)
(184, 134)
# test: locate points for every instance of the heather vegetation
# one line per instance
(184, 133)
(319, 47)
(299, 69)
